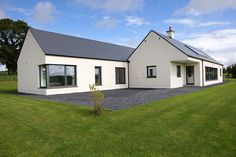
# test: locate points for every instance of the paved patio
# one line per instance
(120, 98)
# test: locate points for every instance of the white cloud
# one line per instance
(107, 22)
(199, 7)
(23, 11)
(2, 14)
(194, 23)
(3, 67)
(111, 5)
(130, 42)
(180, 21)
(213, 23)
(219, 44)
(133, 20)
(43, 12)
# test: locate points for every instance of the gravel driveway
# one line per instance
(120, 98)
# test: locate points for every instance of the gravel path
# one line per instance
(120, 98)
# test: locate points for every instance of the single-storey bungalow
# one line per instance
(52, 63)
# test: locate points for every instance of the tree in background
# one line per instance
(231, 71)
(12, 36)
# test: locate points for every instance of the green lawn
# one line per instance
(5, 77)
(202, 123)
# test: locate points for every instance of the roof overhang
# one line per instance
(184, 61)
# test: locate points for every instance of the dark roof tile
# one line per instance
(65, 45)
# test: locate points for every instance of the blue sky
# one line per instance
(206, 24)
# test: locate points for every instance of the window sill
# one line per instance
(211, 80)
(151, 77)
(58, 87)
(98, 84)
(120, 83)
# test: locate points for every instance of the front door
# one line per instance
(190, 75)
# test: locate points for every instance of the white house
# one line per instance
(52, 63)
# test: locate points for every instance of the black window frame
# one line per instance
(119, 80)
(100, 73)
(151, 76)
(178, 71)
(211, 74)
(65, 80)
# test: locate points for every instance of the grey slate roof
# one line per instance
(188, 50)
(65, 45)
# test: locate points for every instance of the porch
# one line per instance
(186, 73)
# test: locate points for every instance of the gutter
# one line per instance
(202, 75)
(128, 74)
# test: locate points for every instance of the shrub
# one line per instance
(97, 99)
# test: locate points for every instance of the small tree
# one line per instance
(97, 99)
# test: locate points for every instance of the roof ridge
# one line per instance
(31, 28)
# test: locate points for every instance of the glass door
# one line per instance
(190, 75)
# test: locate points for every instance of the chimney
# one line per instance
(170, 33)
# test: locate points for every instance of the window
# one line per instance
(151, 71)
(70, 75)
(120, 75)
(57, 75)
(98, 76)
(220, 72)
(43, 76)
(211, 73)
(178, 71)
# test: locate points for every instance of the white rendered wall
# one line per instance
(86, 74)
(181, 81)
(155, 51)
(197, 63)
(177, 81)
(30, 58)
(213, 65)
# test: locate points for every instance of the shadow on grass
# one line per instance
(13, 92)
(88, 112)
(83, 110)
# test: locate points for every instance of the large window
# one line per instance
(120, 75)
(98, 76)
(151, 71)
(57, 75)
(178, 71)
(211, 73)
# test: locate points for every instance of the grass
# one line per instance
(202, 123)
(5, 77)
